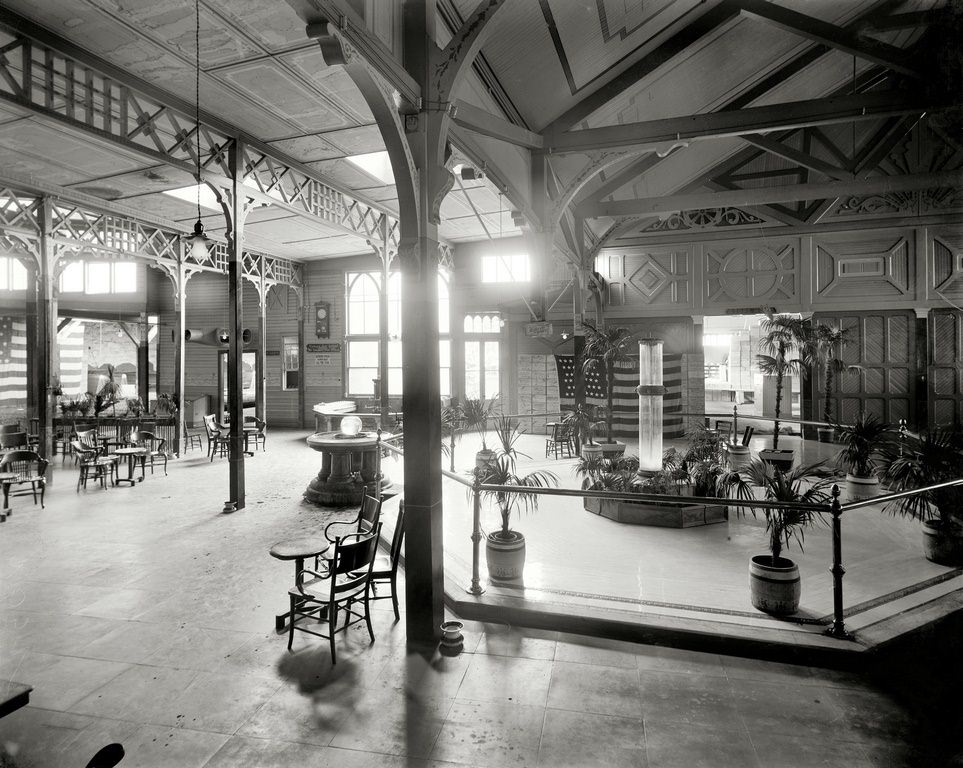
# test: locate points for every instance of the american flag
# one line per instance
(625, 400)
(13, 363)
(73, 368)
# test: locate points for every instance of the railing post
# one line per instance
(476, 536)
(378, 467)
(837, 629)
(735, 425)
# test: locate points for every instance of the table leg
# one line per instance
(6, 511)
(281, 619)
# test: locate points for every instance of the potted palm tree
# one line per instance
(109, 393)
(505, 548)
(934, 457)
(863, 441)
(605, 350)
(581, 421)
(475, 413)
(828, 344)
(774, 582)
(783, 335)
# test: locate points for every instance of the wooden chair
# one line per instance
(93, 466)
(217, 441)
(6, 429)
(561, 442)
(30, 469)
(747, 435)
(724, 428)
(14, 441)
(88, 439)
(258, 437)
(155, 449)
(344, 583)
(368, 517)
(385, 570)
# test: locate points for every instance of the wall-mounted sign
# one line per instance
(541, 330)
(272, 352)
(329, 347)
(322, 319)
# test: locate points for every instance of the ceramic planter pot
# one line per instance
(781, 459)
(451, 632)
(591, 449)
(505, 555)
(612, 450)
(941, 545)
(826, 434)
(859, 488)
(738, 456)
(484, 458)
(774, 587)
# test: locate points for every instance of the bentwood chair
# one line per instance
(93, 466)
(385, 570)
(368, 517)
(155, 449)
(343, 584)
(30, 469)
(217, 441)
(258, 437)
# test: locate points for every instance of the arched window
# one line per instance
(482, 355)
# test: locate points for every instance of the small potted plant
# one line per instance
(934, 457)
(774, 582)
(135, 407)
(784, 334)
(109, 393)
(505, 548)
(166, 405)
(827, 346)
(863, 442)
(475, 413)
(605, 350)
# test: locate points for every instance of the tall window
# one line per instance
(363, 338)
(481, 355)
(290, 363)
(93, 277)
(13, 274)
(505, 268)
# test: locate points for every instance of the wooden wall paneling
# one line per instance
(323, 372)
(863, 268)
(281, 406)
(757, 273)
(946, 368)
(884, 344)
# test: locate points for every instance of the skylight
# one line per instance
(374, 164)
(189, 195)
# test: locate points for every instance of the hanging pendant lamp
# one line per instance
(198, 242)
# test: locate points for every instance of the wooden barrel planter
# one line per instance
(774, 586)
(505, 556)
(859, 488)
(738, 456)
(942, 546)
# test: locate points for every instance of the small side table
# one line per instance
(6, 478)
(298, 550)
(132, 455)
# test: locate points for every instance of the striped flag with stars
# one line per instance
(13, 362)
(625, 400)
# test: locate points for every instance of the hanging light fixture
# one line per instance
(199, 242)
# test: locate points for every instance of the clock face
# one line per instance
(322, 313)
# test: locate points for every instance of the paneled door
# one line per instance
(946, 368)
(884, 345)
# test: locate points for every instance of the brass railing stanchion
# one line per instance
(476, 536)
(837, 629)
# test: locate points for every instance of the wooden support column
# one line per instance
(424, 555)
(180, 306)
(233, 201)
(143, 359)
(45, 339)
(261, 364)
(578, 332)
(383, 392)
(301, 361)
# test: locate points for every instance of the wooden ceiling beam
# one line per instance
(481, 121)
(703, 25)
(657, 134)
(767, 195)
(825, 33)
(793, 155)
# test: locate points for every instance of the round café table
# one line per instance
(132, 455)
(297, 550)
(348, 466)
(6, 478)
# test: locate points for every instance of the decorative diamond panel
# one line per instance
(648, 278)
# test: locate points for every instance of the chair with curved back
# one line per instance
(385, 569)
(30, 469)
(560, 442)
(155, 449)
(368, 517)
(93, 466)
(342, 585)
(217, 441)
(258, 437)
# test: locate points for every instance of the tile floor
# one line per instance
(143, 615)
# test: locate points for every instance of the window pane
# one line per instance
(125, 277)
(19, 275)
(72, 278)
(472, 369)
(492, 386)
(443, 306)
(6, 277)
(394, 305)
(394, 381)
(444, 353)
(362, 303)
(361, 381)
(394, 354)
(445, 382)
(98, 278)
(363, 354)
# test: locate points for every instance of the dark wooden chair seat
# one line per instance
(30, 469)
